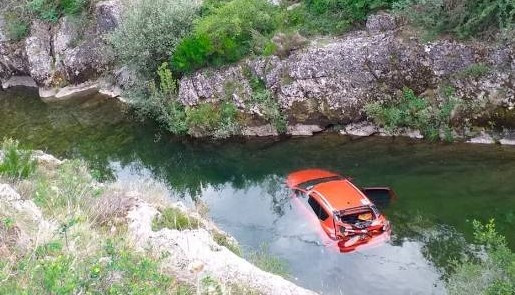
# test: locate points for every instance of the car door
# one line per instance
(382, 196)
(323, 214)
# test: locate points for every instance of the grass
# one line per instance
(17, 163)
(173, 218)
(225, 241)
(267, 262)
(475, 71)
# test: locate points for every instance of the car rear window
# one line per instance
(308, 184)
(318, 209)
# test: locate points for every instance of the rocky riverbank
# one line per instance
(326, 84)
(82, 228)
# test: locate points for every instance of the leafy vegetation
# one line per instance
(412, 111)
(474, 71)
(491, 272)
(463, 18)
(263, 99)
(227, 33)
(16, 27)
(174, 218)
(331, 16)
(16, 162)
(150, 30)
(52, 10)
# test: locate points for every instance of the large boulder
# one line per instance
(39, 52)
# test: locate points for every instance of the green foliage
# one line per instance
(158, 100)
(174, 218)
(112, 269)
(412, 111)
(150, 30)
(218, 119)
(491, 272)
(331, 16)
(16, 27)
(263, 99)
(267, 262)
(16, 162)
(52, 10)
(227, 32)
(464, 18)
(474, 71)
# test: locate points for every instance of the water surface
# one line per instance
(440, 188)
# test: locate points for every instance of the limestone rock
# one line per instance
(39, 52)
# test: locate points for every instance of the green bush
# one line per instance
(218, 120)
(474, 71)
(16, 162)
(150, 30)
(332, 16)
(263, 99)
(225, 34)
(158, 101)
(52, 10)
(464, 18)
(174, 218)
(491, 272)
(412, 111)
(16, 27)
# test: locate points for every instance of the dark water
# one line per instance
(440, 188)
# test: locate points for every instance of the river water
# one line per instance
(440, 188)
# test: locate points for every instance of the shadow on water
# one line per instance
(440, 187)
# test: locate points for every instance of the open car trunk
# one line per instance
(380, 196)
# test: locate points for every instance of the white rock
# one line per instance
(482, 138)
(360, 129)
(25, 81)
(303, 129)
(260, 131)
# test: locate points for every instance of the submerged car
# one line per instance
(345, 212)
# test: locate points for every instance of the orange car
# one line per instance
(344, 211)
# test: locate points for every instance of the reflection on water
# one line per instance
(439, 188)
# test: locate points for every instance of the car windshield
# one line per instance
(310, 183)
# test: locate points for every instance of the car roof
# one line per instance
(341, 194)
(298, 177)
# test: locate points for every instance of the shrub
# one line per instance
(464, 18)
(474, 71)
(150, 31)
(331, 16)
(174, 218)
(226, 34)
(218, 120)
(412, 111)
(225, 241)
(284, 43)
(264, 100)
(16, 162)
(491, 272)
(158, 100)
(16, 27)
(52, 10)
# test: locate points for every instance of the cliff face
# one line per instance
(70, 52)
(331, 81)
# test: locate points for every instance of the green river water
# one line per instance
(440, 188)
